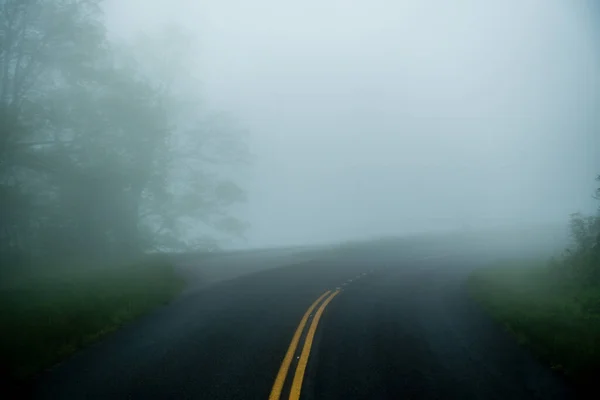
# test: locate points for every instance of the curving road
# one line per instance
(386, 323)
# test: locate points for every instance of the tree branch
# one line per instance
(20, 86)
(41, 143)
(7, 53)
(21, 51)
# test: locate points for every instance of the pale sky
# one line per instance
(378, 117)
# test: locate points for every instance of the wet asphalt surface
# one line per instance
(402, 327)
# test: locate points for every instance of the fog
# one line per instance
(150, 149)
(383, 117)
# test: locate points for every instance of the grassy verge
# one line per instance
(46, 318)
(559, 320)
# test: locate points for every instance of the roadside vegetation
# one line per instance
(553, 307)
(108, 153)
(47, 317)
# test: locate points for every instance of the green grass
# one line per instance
(557, 319)
(47, 317)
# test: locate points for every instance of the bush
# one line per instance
(554, 308)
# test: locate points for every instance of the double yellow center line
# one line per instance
(303, 360)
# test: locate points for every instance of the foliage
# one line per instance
(106, 150)
(582, 260)
(553, 308)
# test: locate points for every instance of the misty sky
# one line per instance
(376, 117)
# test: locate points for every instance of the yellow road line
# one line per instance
(299, 375)
(287, 360)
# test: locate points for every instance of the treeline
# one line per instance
(106, 149)
(581, 262)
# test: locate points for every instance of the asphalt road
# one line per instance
(398, 325)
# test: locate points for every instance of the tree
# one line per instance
(597, 228)
(584, 258)
(45, 45)
(104, 153)
(202, 144)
